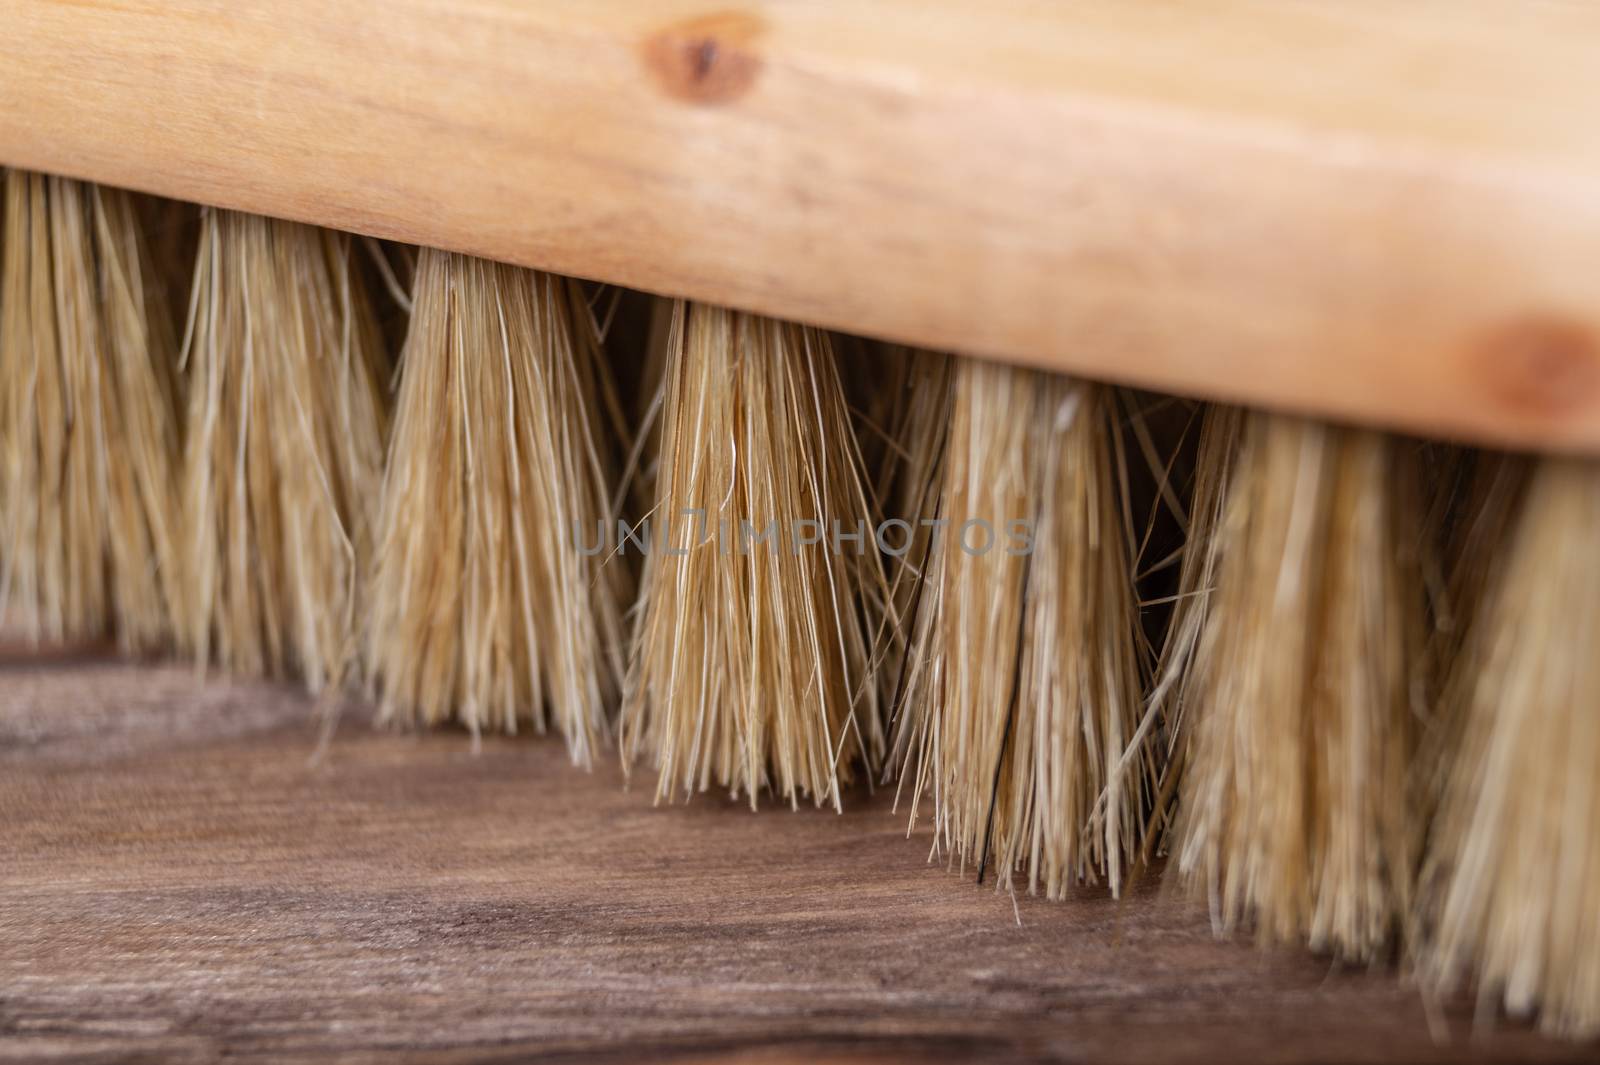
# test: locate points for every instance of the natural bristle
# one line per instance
(803, 560)
(1292, 660)
(88, 422)
(1512, 884)
(284, 454)
(753, 664)
(484, 608)
(1022, 692)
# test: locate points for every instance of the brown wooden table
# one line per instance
(179, 881)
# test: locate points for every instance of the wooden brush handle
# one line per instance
(1379, 210)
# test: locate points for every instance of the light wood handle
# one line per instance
(1378, 210)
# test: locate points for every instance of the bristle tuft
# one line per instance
(754, 665)
(1512, 883)
(1022, 695)
(1292, 657)
(286, 426)
(492, 604)
(89, 444)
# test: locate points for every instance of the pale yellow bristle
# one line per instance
(1022, 693)
(88, 422)
(490, 602)
(753, 665)
(1512, 882)
(284, 454)
(1293, 658)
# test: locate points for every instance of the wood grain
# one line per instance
(1379, 211)
(180, 883)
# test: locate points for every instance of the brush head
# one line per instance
(487, 605)
(754, 662)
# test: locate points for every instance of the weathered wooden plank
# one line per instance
(180, 880)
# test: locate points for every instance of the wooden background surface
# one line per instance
(179, 882)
